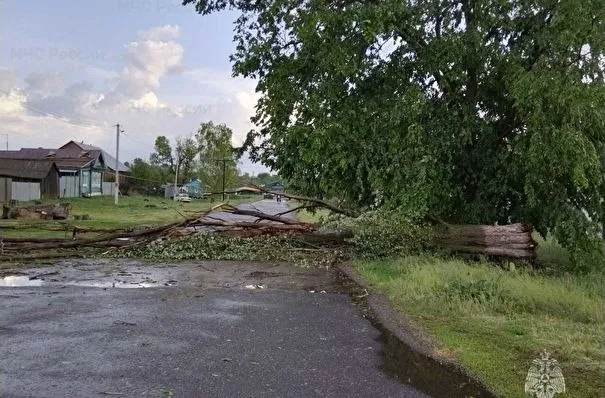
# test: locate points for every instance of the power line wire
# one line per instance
(57, 115)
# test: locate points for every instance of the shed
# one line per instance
(195, 188)
(24, 179)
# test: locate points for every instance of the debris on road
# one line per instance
(507, 241)
(124, 323)
(254, 287)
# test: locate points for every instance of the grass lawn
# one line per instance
(132, 211)
(495, 321)
(311, 217)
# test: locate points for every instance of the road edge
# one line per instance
(408, 331)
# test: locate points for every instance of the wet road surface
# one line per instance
(108, 327)
(268, 206)
(188, 342)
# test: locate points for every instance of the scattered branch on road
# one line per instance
(14, 248)
(260, 215)
(295, 209)
(318, 202)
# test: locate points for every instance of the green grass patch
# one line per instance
(312, 216)
(132, 211)
(496, 321)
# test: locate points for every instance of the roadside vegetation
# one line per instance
(495, 318)
(312, 216)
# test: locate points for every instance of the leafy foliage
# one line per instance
(477, 112)
(385, 233)
(208, 247)
(196, 156)
(259, 179)
(167, 161)
(217, 155)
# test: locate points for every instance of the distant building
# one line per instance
(275, 187)
(195, 188)
(82, 167)
(23, 179)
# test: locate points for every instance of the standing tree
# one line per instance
(162, 159)
(217, 156)
(181, 159)
(186, 150)
(473, 111)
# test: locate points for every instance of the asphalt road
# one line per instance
(268, 206)
(187, 342)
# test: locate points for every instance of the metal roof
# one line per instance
(110, 161)
(63, 158)
(28, 153)
(67, 157)
(24, 168)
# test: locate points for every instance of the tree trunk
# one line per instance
(514, 240)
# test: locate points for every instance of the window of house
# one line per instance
(95, 182)
(85, 181)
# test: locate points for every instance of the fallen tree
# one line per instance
(510, 241)
(507, 241)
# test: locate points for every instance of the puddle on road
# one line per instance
(17, 281)
(426, 374)
(27, 281)
(408, 366)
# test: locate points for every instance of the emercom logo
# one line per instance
(544, 378)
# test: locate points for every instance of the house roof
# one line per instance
(110, 161)
(73, 155)
(63, 158)
(26, 168)
(28, 153)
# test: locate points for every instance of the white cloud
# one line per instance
(147, 101)
(248, 100)
(161, 33)
(45, 110)
(10, 105)
(155, 54)
(238, 98)
(45, 82)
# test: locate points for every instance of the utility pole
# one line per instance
(6, 141)
(224, 169)
(224, 163)
(176, 178)
(117, 171)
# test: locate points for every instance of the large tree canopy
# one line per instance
(474, 111)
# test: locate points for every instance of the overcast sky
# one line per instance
(72, 69)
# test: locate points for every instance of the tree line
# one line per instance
(206, 155)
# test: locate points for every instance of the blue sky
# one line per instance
(71, 69)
